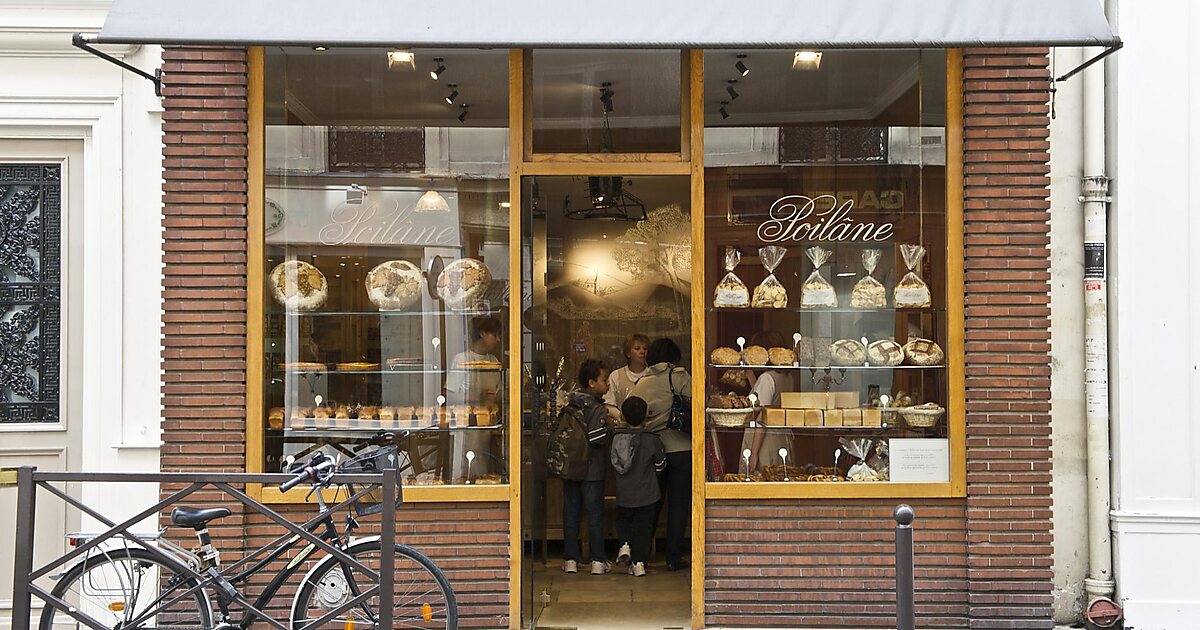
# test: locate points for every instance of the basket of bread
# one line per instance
(922, 416)
(730, 410)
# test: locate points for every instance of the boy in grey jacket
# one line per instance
(637, 457)
(585, 497)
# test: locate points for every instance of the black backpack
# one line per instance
(567, 449)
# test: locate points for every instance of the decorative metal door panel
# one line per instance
(30, 261)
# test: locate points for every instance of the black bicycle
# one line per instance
(130, 588)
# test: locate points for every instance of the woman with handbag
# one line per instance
(667, 389)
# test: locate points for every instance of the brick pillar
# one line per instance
(204, 256)
(1007, 265)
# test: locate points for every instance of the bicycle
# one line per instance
(131, 588)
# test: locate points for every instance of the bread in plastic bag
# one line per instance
(770, 292)
(859, 448)
(880, 461)
(869, 292)
(817, 292)
(912, 290)
(731, 291)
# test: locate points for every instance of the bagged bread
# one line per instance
(869, 292)
(860, 449)
(912, 290)
(770, 292)
(731, 291)
(817, 291)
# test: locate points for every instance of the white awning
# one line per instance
(613, 23)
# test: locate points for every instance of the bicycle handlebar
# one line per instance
(311, 472)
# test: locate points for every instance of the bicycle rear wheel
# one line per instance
(423, 597)
(128, 588)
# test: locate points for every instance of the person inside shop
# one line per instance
(469, 381)
(586, 497)
(622, 380)
(764, 442)
(620, 383)
(664, 379)
(638, 457)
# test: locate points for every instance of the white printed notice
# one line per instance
(919, 459)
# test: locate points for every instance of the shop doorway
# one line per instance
(607, 261)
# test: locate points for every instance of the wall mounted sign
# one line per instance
(819, 218)
(383, 217)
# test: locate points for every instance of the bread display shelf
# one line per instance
(405, 313)
(333, 431)
(399, 370)
(824, 309)
(826, 367)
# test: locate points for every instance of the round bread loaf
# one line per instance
(885, 352)
(921, 351)
(725, 356)
(847, 352)
(781, 356)
(755, 355)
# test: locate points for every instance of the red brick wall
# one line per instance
(985, 562)
(204, 327)
(1006, 215)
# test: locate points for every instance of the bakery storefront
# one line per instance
(843, 230)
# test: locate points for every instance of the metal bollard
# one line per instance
(906, 618)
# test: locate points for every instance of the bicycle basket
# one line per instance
(370, 462)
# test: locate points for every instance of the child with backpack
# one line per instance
(578, 455)
(638, 457)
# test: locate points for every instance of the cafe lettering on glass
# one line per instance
(822, 217)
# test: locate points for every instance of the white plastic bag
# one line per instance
(912, 291)
(770, 292)
(869, 292)
(731, 291)
(817, 292)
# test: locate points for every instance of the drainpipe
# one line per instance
(1099, 584)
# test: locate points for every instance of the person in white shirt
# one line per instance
(622, 380)
(476, 388)
(762, 441)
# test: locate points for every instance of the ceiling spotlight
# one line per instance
(606, 96)
(453, 94)
(741, 65)
(438, 70)
(733, 94)
(320, 48)
(401, 60)
(806, 60)
(724, 112)
(462, 117)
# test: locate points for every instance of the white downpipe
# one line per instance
(1100, 583)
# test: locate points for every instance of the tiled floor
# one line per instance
(618, 600)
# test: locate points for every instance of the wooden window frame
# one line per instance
(688, 161)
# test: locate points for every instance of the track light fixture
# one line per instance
(741, 66)
(724, 112)
(453, 94)
(733, 94)
(462, 117)
(606, 96)
(438, 69)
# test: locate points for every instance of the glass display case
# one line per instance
(827, 264)
(386, 261)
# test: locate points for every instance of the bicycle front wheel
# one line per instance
(422, 597)
(128, 588)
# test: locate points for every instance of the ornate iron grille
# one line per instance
(833, 145)
(376, 149)
(30, 257)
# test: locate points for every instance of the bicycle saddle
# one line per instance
(191, 517)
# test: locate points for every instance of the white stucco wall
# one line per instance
(50, 91)
(1155, 293)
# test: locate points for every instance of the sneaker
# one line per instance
(637, 569)
(624, 553)
(600, 568)
(569, 566)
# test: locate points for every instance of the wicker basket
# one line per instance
(922, 418)
(731, 418)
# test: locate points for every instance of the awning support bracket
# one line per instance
(1084, 66)
(81, 42)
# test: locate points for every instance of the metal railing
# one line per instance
(29, 481)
